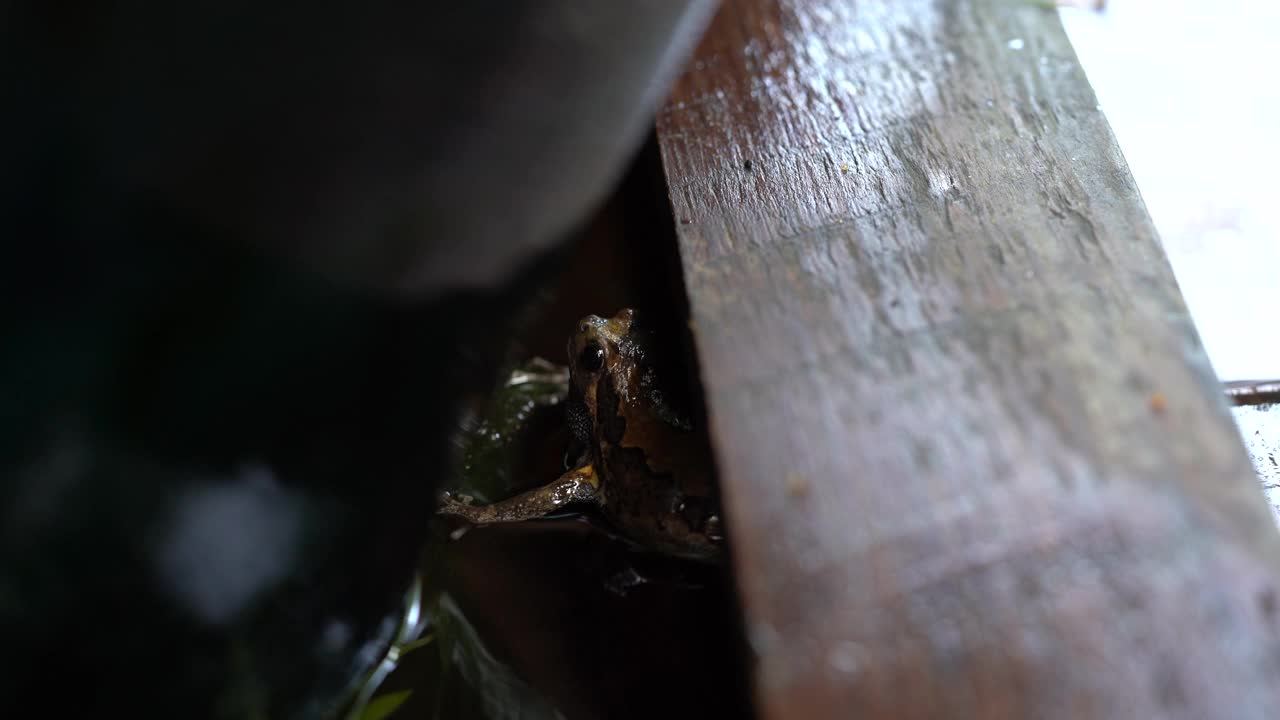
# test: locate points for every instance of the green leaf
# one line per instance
(382, 706)
(423, 641)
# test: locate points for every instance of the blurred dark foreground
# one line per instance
(254, 258)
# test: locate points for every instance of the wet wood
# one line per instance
(975, 459)
(1253, 392)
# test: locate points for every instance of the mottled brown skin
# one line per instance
(643, 465)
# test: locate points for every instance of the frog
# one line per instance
(635, 453)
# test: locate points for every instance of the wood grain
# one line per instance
(975, 459)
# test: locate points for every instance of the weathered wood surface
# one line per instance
(976, 462)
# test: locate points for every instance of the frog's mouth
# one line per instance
(579, 421)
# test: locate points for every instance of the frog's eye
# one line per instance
(592, 357)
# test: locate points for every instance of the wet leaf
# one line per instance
(462, 680)
(488, 442)
(383, 706)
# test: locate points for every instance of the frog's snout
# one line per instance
(620, 324)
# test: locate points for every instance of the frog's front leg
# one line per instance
(577, 485)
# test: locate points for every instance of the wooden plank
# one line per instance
(975, 461)
(1253, 392)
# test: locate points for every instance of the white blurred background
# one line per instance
(1191, 90)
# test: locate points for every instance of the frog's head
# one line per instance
(605, 350)
(604, 365)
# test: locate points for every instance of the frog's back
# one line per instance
(659, 483)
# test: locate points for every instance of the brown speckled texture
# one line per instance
(656, 472)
